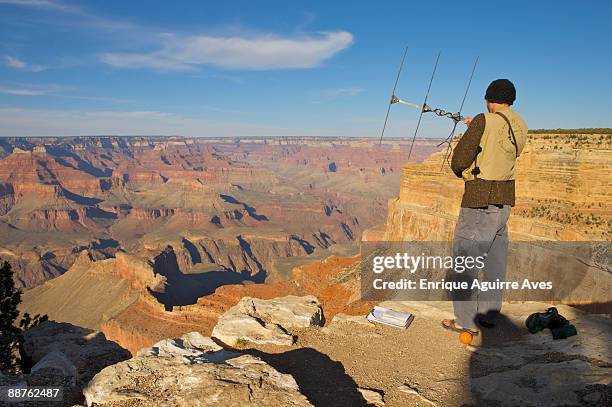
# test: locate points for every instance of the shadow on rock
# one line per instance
(323, 381)
(67, 355)
(512, 367)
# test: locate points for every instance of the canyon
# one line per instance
(251, 206)
(174, 279)
(155, 291)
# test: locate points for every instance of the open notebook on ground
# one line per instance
(390, 317)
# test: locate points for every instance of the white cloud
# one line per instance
(183, 52)
(260, 52)
(333, 94)
(48, 4)
(14, 62)
(37, 68)
(24, 122)
(17, 63)
(29, 89)
(343, 92)
(22, 92)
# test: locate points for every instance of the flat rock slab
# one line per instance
(571, 383)
(190, 345)
(508, 366)
(266, 322)
(187, 374)
(372, 396)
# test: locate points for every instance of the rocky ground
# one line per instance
(282, 355)
(428, 366)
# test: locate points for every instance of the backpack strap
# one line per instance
(513, 139)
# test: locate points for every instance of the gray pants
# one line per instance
(481, 232)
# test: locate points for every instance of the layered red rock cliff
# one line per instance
(118, 296)
(145, 321)
(562, 195)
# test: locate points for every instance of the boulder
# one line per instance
(66, 355)
(191, 371)
(186, 345)
(53, 369)
(267, 321)
(56, 370)
(372, 397)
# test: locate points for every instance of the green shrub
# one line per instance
(11, 335)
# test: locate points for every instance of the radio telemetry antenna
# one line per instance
(425, 108)
(449, 139)
(416, 129)
(399, 72)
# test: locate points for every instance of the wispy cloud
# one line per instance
(48, 122)
(16, 63)
(259, 52)
(45, 4)
(337, 93)
(342, 92)
(180, 51)
(22, 91)
(78, 16)
(28, 89)
(51, 89)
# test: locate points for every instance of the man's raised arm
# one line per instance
(466, 150)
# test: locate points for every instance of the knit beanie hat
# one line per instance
(501, 91)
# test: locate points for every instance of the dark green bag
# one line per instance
(559, 326)
(563, 332)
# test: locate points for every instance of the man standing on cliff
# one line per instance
(485, 158)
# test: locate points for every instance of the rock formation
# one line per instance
(93, 291)
(354, 362)
(138, 299)
(267, 321)
(189, 371)
(65, 355)
(130, 313)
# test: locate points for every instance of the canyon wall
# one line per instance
(562, 195)
(126, 297)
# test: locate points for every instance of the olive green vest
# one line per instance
(499, 148)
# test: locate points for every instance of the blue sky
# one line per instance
(324, 68)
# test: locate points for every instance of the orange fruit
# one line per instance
(465, 338)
